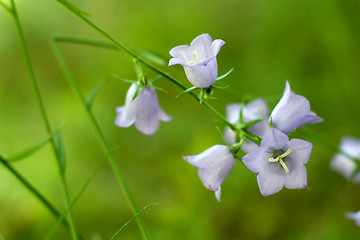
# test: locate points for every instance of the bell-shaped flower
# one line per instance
(214, 165)
(199, 60)
(354, 216)
(251, 111)
(144, 111)
(344, 165)
(292, 111)
(279, 162)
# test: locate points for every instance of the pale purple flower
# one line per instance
(292, 111)
(342, 164)
(279, 162)
(144, 111)
(198, 59)
(354, 216)
(251, 111)
(214, 165)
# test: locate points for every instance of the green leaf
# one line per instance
(96, 89)
(60, 152)
(157, 88)
(1, 237)
(139, 71)
(155, 79)
(186, 91)
(73, 8)
(131, 219)
(249, 124)
(219, 87)
(225, 75)
(202, 95)
(126, 80)
(241, 118)
(29, 151)
(138, 91)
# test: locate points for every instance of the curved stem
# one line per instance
(42, 108)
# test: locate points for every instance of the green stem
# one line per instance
(122, 47)
(100, 137)
(41, 106)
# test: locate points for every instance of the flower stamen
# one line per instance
(196, 55)
(280, 159)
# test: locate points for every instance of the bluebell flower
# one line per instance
(354, 216)
(214, 165)
(144, 111)
(292, 111)
(198, 59)
(279, 162)
(342, 164)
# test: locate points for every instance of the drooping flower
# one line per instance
(279, 162)
(354, 216)
(214, 165)
(198, 59)
(251, 111)
(292, 111)
(344, 165)
(144, 111)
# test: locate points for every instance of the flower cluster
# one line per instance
(278, 160)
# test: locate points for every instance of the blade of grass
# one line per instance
(95, 91)
(131, 219)
(30, 150)
(40, 103)
(100, 137)
(76, 198)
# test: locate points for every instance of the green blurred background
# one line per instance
(315, 44)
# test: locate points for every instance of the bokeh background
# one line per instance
(315, 44)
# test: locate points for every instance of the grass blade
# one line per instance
(131, 219)
(95, 91)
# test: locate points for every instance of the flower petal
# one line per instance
(275, 139)
(202, 45)
(216, 171)
(124, 118)
(301, 150)
(163, 115)
(216, 46)
(202, 76)
(292, 111)
(296, 178)
(269, 183)
(351, 146)
(343, 165)
(257, 159)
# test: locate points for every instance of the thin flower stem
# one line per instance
(131, 219)
(42, 108)
(100, 137)
(122, 47)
